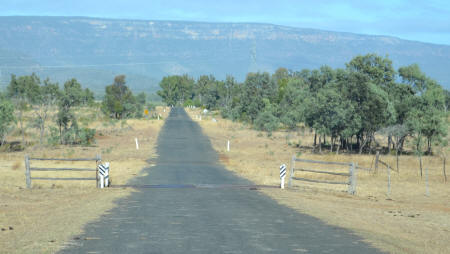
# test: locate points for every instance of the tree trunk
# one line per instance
(443, 168)
(429, 152)
(361, 147)
(41, 134)
(351, 144)
(21, 126)
(389, 143)
(337, 148)
(315, 139)
(332, 143)
(420, 163)
(396, 156)
(320, 143)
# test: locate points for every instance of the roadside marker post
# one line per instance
(103, 171)
(228, 145)
(137, 143)
(282, 174)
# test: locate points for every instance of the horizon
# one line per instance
(409, 20)
(217, 22)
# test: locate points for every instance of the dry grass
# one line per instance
(407, 222)
(42, 219)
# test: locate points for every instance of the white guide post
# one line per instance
(282, 175)
(228, 145)
(107, 174)
(137, 143)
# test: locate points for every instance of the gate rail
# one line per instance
(351, 174)
(28, 169)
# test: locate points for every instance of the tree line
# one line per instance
(28, 93)
(345, 107)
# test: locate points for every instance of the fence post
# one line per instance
(352, 184)
(445, 175)
(27, 171)
(377, 157)
(389, 182)
(426, 180)
(98, 161)
(292, 171)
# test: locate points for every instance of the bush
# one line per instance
(266, 121)
(73, 136)
(86, 136)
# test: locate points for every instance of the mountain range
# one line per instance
(94, 50)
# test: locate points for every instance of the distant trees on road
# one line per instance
(347, 105)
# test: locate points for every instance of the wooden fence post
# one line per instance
(426, 182)
(445, 175)
(352, 180)
(377, 157)
(389, 182)
(98, 161)
(27, 171)
(292, 171)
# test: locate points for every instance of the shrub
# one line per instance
(266, 121)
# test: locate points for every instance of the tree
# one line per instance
(292, 107)
(176, 89)
(413, 76)
(366, 84)
(332, 115)
(47, 98)
(257, 87)
(6, 117)
(432, 114)
(23, 91)
(72, 96)
(266, 121)
(119, 101)
(378, 70)
(230, 87)
(281, 78)
(427, 113)
(87, 98)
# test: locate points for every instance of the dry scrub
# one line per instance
(406, 222)
(44, 218)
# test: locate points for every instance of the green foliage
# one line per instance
(266, 121)
(176, 89)
(256, 88)
(344, 104)
(23, 91)
(119, 101)
(6, 117)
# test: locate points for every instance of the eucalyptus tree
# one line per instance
(367, 85)
(46, 99)
(71, 96)
(119, 101)
(23, 91)
(175, 90)
(256, 88)
(6, 117)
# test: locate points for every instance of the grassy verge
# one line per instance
(44, 218)
(408, 221)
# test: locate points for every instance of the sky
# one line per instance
(419, 20)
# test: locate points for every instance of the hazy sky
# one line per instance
(421, 20)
